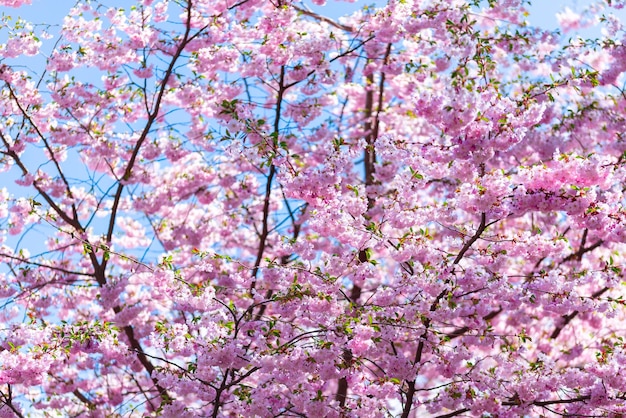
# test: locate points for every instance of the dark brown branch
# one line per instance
(234, 6)
(323, 19)
(369, 155)
(33, 263)
(136, 347)
(61, 213)
(341, 55)
(471, 241)
(182, 369)
(218, 394)
(73, 222)
(381, 86)
(90, 405)
(371, 125)
(517, 403)
(453, 414)
(285, 259)
(578, 255)
(461, 331)
(427, 322)
(7, 399)
(152, 116)
(558, 401)
(566, 319)
(369, 159)
(582, 251)
(270, 178)
(68, 190)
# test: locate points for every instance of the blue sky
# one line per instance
(542, 12)
(53, 11)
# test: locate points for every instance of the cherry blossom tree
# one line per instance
(253, 208)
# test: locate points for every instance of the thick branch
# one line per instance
(555, 402)
(369, 160)
(218, 393)
(582, 251)
(7, 399)
(578, 255)
(453, 414)
(566, 319)
(71, 221)
(270, 178)
(90, 405)
(427, 322)
(152, 116)
(473, 239)
(136, 347)
(461, 331)
(323, 19)
(517, 403)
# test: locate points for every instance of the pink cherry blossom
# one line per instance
(220, 208)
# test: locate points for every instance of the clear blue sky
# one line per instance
(53, 11)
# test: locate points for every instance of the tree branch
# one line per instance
(90, 405)
(270, 178)
(460, 331)
(323, 19)
(152, 116)
(427, 322)
(566, 319)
